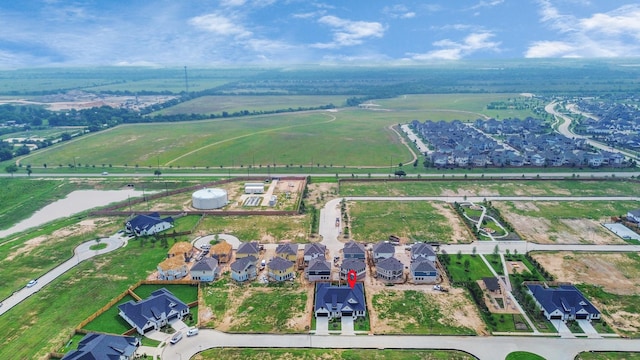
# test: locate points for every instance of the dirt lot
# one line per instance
(560, 231)
(615, 273)
(320, 193)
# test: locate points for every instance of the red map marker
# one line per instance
(352, 277)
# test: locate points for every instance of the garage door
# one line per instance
(322, 315)
(581, 316)
(556, 317)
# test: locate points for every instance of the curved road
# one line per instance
(81, 253)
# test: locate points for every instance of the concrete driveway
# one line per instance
(562, 328)
(347, 326)
(322, 325)
(588, 329)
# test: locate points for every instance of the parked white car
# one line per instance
(32, 283)
(177, 337)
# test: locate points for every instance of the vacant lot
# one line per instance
(330, 354)
(564, 222)
(490, 188)
(373, 221)
(232, 104)
(270, 229)
(423, 312)
(356, 137)
(611, 283)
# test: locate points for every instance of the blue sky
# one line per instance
(277, 32)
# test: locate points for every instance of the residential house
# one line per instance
(356, 265)
(423, 271)
(172, 268)
(383, 250)
(353, 250)
(335, 302)
(244, 269)
(248, 249)
(182, 249)
(565, 302)
(424, 251)
(104, 346)
(538, 160)
(319, 269)
(634, 215)
(492, 284)
(205, 270)
(142, 225)
(281, 269)
(390, 270)
(153, 312)
(313, 250)
(222, 251)
(288, 251)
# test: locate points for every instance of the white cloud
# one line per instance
(220, 25)
(486, 3)
(451, 50)
(606, 34)
(349, 33)
(398, 12)
(232, 3)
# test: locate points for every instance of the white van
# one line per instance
(177, 337)
(192, 332)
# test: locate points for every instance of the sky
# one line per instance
(41, 33)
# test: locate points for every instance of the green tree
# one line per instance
(467, 264)
(474, 251)
(11, 169)
(157, 173)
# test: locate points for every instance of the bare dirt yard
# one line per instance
(543, 230)
(616, 274)
(320, 193)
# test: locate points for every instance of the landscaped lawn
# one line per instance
(459, 273)
(109, 321)
(373, 221)
(415, 312)
(523, 355)
(332, 354)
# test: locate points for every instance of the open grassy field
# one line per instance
(276, 308)
(564, 221)
(607, 355)
(491, 188)
(416, 312)
(330, 354)
(356, 137)
(260, 228)
(373, 221)
(231, 104)
(110, 321)
(45, 320)
(20, 197)
(475, 104)
(460, 272)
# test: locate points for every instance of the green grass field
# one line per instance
(413, 312)
(523, 355)
(267, 310)
(332, 354)
(373, 221)
(186, 293)
(608, 355)
(284, 139)
(459, 272)
(251, 228)
(231, 104)
(487, 188)
(109, 321)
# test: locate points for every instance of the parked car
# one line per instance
(177, 337)
(32, 283)
(193, 331)
(105, 173)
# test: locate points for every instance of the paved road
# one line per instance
(485, 348)
(81, 253)
(564, 129)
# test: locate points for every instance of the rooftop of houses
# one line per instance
(242, 263)
(205, 264)
(353, 247)
(172, 263)
(384, 247)
(104, 346)
(314, 248)
(566, 298)
(222, 247)
(180, 248)
(337, 298)
(491, 283)
(422, 249)
(390, 264)
(279, 264)
(288, 249)
(160, 302)
(248, 248)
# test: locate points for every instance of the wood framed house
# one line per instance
(222, 251)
